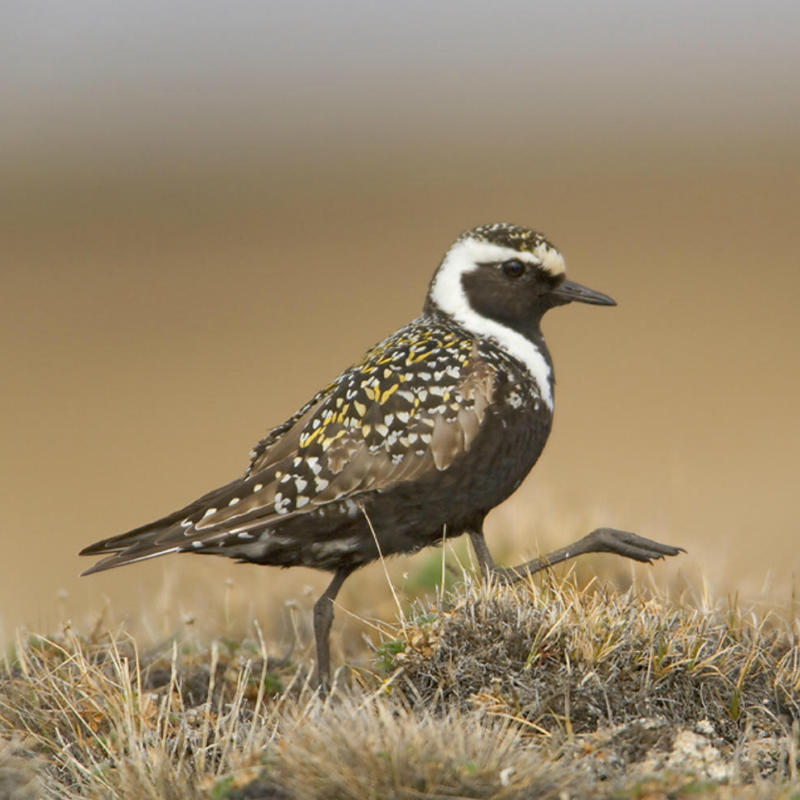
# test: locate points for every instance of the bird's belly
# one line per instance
(413, 515)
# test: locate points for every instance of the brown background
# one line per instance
(203, 220)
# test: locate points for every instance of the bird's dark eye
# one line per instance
(513, 267)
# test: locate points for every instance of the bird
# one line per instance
(419, 440)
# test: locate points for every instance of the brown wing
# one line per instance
(413, 405)
(374, 430)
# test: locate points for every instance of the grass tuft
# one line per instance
(569, 659)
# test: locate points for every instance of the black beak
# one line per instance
(568, 291)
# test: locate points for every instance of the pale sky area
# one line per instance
(75, 77)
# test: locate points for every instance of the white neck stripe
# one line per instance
(447, 293)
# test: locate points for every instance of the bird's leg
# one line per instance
(601, 540)
(485, 560)
(323, 617)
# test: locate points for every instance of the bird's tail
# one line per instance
(165, 535)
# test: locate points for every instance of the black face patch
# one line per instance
(515, 300)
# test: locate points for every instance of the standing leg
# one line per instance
(601, 540)
(485, 560)
(323, 617)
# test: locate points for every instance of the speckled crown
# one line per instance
(506, 234)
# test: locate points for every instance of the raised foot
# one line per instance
(630, 545)
(601, 540)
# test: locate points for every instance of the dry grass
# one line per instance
(546, 689)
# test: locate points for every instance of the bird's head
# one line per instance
(505, 273)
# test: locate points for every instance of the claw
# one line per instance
(630, 545)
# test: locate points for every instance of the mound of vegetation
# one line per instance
(537, 690)
(569, 661)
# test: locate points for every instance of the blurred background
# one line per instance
(207, 211)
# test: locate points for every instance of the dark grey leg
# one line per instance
(485, 560)
(323, 617)
(601, 540)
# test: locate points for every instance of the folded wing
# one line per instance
(411, 407)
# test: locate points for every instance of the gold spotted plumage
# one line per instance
(414, 403)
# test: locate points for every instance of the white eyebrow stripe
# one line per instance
(488, 253)
(481, 252)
